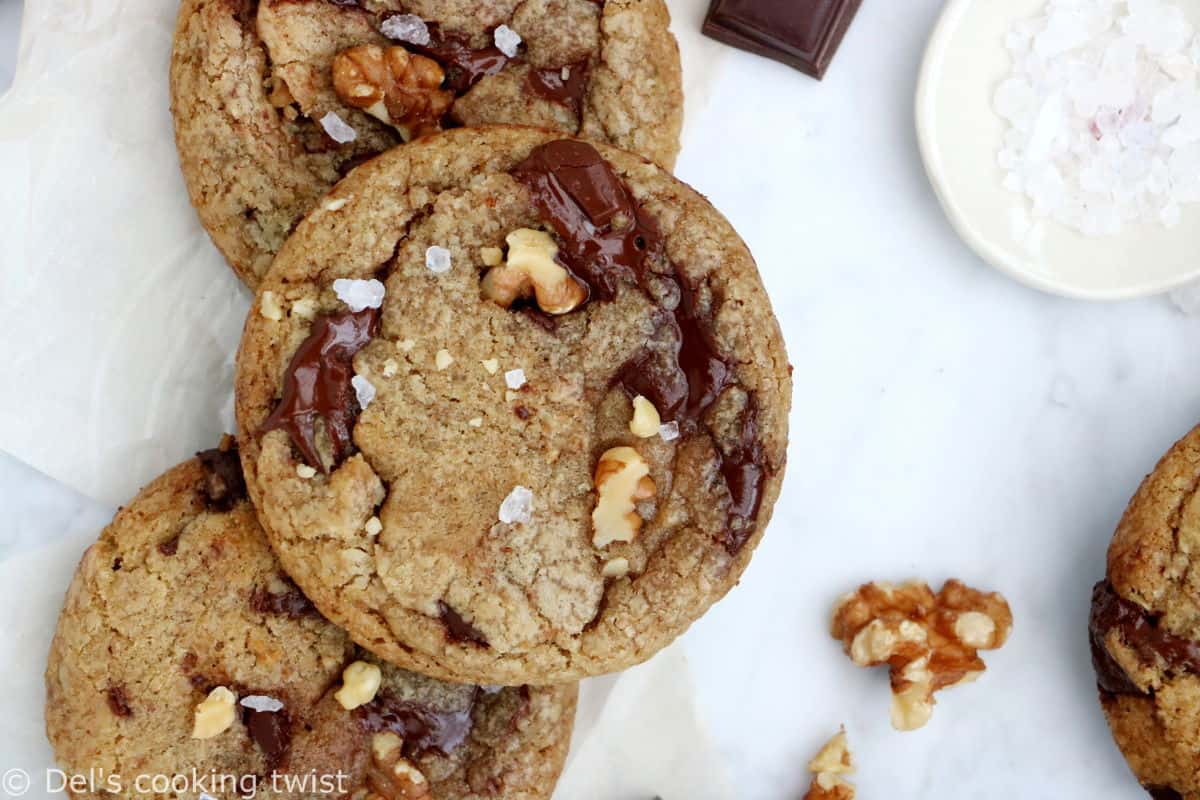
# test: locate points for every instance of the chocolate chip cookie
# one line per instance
(513, 407)
(275, 100)
(185, 661)
(1145, 628)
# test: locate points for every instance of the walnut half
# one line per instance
(930, 642)
(396, 87)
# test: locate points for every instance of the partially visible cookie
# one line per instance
(1145, 628)
(513, 407)
(180, 624)
(274, 100)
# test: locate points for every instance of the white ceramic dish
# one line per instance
(960, 134)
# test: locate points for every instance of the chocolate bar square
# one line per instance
(800, 33)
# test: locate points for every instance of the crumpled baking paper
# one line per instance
(120, 326)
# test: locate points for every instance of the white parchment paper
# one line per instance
(120, 326)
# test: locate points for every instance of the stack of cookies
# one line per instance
(512, 407)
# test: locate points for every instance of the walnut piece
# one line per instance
(360, 682)
(214, 714)
(531, 270)
(396, 87)
(929, 641)
(828, 767)
(622, 478)
(390, 775)
(645, 422)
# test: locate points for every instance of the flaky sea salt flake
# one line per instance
(338, 129)
(669, 431)
(514, 378)
(359, 295)
(364, 390)
(260, 702)
(507, 40)
(517, 508)
(437, 260)
(406, 28)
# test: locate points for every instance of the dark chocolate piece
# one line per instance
(423, 728)
(1163, 793)
(607, 238)
(271, 731)
(169, 547)
(317, 384)
(118, 701)
(1138, 629)
(457, 628)
(291, 602)
(224, 486)
(803, 34)
(549, 84)
(464, 65)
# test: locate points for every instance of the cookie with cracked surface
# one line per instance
(515, 412)
(183, 646)
(275, 100)
(1145, 628)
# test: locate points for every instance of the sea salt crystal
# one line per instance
(1103, 112)
(406, 28)
(359, 294)
(338, 129)
(517, 507)
(437, 260)
(507, 40)
(364, 390)
(669, 431)
(514, 378)
(260, 702)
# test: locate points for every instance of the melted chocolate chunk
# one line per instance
(291, 603)
(464, 65)
(118, 701)
(223, 485)
(458, 629)
(169, 547)
(317, 384)
(423, 728)
(271, 731)
(607, 237)
(742, 468)
(1140, 630)
(550, 84)
(1163, 793)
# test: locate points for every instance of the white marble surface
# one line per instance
(947, 422)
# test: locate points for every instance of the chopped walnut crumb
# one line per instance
(929, 641)
(828, 767)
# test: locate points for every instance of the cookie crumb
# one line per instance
(491, 365)
(269, 306)
(443, 359)
(405, 345)
(390, 367)
(359, 295)
(437, 260)
(305, 471)
(261, 702)
(517, 507)
(476, 422)
(507, 40)
(338, 129)
(406, 28)
(514, 378)
(364, 390)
